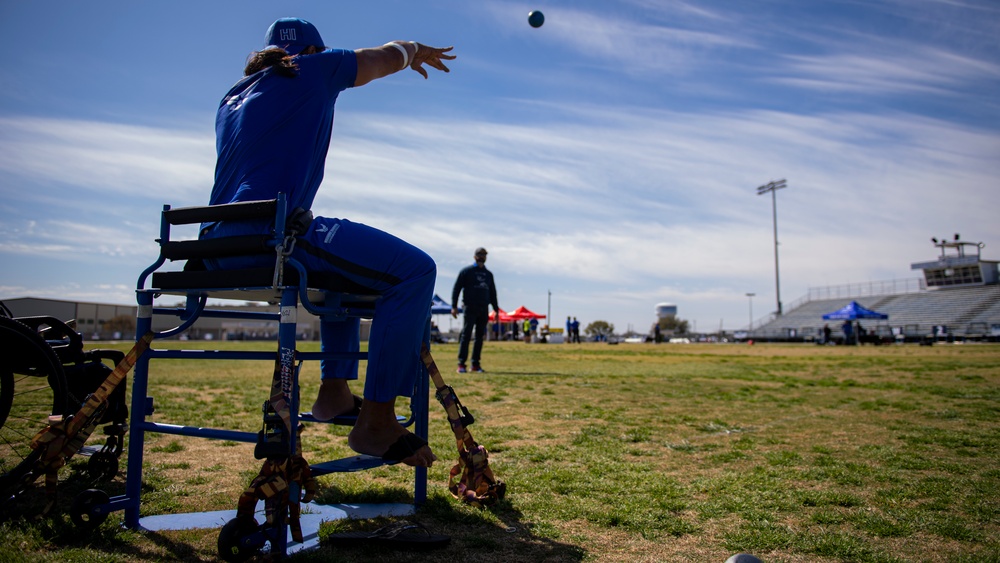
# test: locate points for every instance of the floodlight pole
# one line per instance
(549, 312)
(761, 190)
(751, 295)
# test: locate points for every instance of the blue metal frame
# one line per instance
(291, 296)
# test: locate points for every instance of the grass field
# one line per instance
(631, 452)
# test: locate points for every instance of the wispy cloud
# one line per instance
(618, 174)
(635, 43)
(667, 169)
(917, 69)
(682, 193)
(110, 158)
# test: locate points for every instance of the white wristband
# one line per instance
(406, 55)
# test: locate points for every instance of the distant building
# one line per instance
(102, 321)
(958, 269)
(93, 320)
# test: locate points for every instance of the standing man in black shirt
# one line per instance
(475, 282)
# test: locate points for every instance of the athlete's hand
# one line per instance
(431, 56)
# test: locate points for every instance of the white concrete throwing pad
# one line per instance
(311, 517)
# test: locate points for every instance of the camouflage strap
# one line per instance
(282, 383)
(273, 439)
(63, 437)
(471, 479)
(272, 486)
(281, 467)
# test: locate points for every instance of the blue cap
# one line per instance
(293, 35)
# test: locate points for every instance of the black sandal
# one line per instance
(400, 535)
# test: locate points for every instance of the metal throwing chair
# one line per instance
(286, 283)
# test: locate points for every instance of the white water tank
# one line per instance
(666, 310)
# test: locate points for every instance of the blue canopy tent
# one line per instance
(440, 306)
(852, 312)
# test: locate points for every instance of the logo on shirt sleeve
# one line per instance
(329, 232)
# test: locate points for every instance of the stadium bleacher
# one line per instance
(967, 313)
(944, 309)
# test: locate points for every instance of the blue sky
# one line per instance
(610, 157)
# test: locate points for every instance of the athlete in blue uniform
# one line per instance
(273, 130)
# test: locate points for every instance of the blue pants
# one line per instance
(401, 272)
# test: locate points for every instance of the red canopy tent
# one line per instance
(504, 317)
(522, 313)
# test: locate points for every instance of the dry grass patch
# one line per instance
(640, 452)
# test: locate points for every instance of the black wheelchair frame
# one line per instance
(46, 376)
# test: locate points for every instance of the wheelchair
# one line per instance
(46, 376)
(286, 284)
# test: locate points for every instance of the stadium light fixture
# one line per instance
(548, 317)
(761, 190)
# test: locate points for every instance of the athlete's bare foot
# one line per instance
(334, 399)
(377, 430)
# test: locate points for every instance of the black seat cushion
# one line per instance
(253, 277)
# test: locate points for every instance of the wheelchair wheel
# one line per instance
(239, 540)
(6, 393)
(33, 388)
(103, 466)
(85, 512)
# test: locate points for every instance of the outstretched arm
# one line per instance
(379, 62)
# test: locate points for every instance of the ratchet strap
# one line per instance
(64, 436)
(281, 467)
(272, 485)
(471, 479)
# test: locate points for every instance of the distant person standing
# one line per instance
(848, 329)
(575, 327)
(826, 334)
(569, 330)
(475, 283)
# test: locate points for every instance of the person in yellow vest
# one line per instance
(526, 325)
